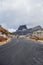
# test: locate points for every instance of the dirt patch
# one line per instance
(3, 40)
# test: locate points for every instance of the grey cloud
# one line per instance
(28, 12)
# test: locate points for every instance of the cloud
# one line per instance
(16, 12)
(4, 25)
(11, 30)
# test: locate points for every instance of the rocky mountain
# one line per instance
(22, 27)
(37, 28)
(23, 30)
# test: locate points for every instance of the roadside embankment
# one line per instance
(3, 40)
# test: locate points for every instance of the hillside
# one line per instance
(23, 30)
(3, 30)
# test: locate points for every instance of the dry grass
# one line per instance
(3, 40)
(36, 37)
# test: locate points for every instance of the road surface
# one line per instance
(21, 52)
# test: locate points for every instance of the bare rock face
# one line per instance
(22, 27)
(37, 28)
(23, 30)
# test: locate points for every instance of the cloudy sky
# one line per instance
(17, 12)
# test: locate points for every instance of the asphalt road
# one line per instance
(21, 52)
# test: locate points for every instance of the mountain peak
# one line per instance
(37, 27)
(21, 27)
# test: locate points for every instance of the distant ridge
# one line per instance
(23, 30)
(37, 28)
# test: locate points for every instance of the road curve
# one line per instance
(21, 52)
